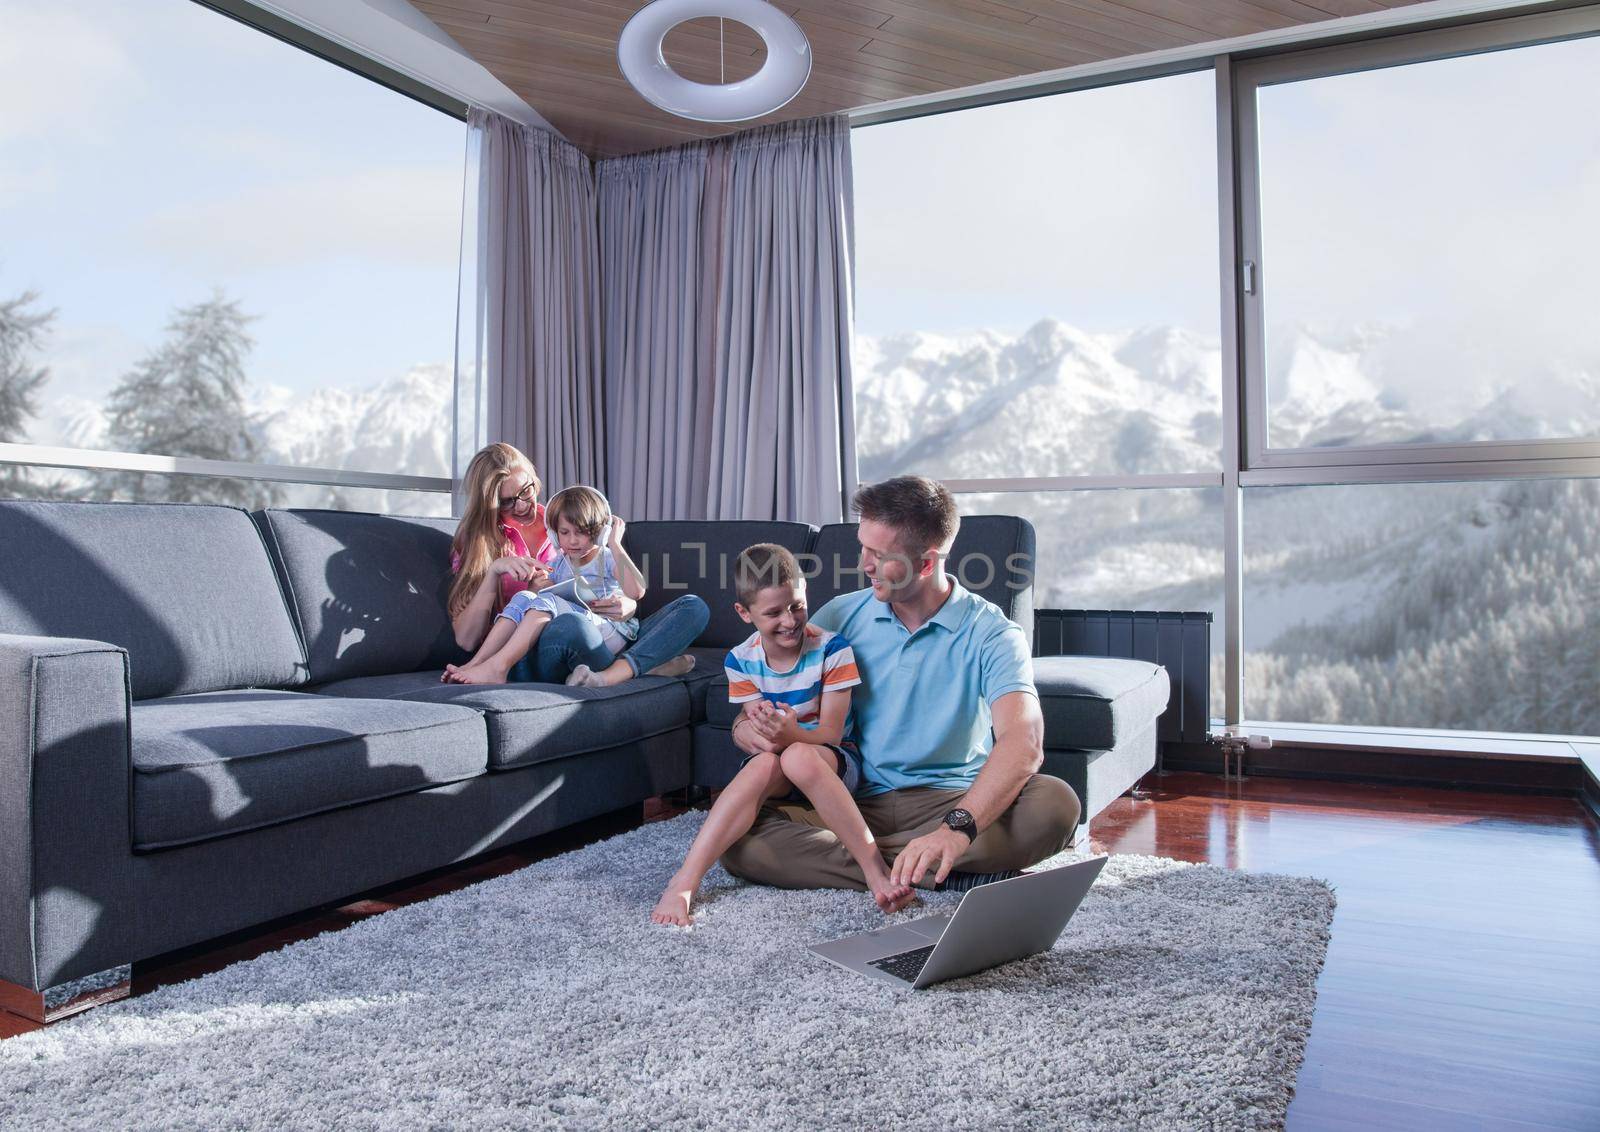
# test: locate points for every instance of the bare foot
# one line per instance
(673, 907)
(478, 674)
(893, 897)
(446, 677)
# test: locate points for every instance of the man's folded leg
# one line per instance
(1039, 824)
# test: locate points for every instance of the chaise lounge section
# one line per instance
(211, 719)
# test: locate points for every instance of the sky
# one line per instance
(1097, 208)
(153, 152)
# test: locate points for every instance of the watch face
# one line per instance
(958, 819)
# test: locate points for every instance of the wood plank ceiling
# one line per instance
(561, 56)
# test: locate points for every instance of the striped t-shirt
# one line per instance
(827, 664)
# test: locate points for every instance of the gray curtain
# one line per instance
(654, 234)
(727, 309)
(538, 299)
(785, 321)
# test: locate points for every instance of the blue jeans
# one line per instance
(570, 640)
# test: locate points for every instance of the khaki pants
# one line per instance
(789, 847)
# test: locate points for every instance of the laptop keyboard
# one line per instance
(907, 965)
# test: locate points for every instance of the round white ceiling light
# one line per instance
(781, 77)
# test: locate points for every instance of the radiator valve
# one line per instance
(1234, 742)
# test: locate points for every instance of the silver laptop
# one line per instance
(995, 923)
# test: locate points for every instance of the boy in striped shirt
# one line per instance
(794, 681)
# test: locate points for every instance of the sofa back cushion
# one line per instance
(369, 590)
(187, 589)
(697, 557)
(993, 556)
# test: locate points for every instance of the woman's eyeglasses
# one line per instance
(522, 497)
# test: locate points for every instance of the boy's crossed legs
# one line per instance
(514, 633)
(812, 769)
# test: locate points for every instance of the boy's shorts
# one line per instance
(849, 760)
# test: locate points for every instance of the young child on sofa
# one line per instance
(794, 681)
(589, 538)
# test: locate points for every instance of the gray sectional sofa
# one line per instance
(210, 719)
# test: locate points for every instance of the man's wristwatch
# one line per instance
(962, 821)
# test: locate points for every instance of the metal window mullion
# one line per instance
(89, 459)
(1236, 404)
(1480, 452)
(1486, 471)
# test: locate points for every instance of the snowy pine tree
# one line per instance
(22, 331)
(187, 399)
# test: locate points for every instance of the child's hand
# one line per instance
(777, 724)
(753, 740)
(618, 525)
(758, 712)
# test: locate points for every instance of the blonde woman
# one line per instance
(501, 545)
(571, 647)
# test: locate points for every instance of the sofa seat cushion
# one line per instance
(223, 762)
(1093, 702)
(535, 723)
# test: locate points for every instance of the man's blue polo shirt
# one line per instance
(922, 714)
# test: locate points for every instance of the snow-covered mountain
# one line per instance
(1053, 401)
(1057, 401)
(402, 425)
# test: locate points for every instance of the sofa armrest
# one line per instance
(1091, 703)
(65, 782)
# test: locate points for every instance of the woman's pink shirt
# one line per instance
(518, 533)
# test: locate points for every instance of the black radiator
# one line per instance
(1179, 642)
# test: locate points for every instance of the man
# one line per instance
(942, 667)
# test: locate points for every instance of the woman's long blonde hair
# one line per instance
(479, 539)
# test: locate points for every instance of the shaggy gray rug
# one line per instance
(1179, 997)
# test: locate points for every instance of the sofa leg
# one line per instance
(71, 998)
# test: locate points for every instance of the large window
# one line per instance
(218, 246)
(1402, 441)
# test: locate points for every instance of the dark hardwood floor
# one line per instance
(1462, 987)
